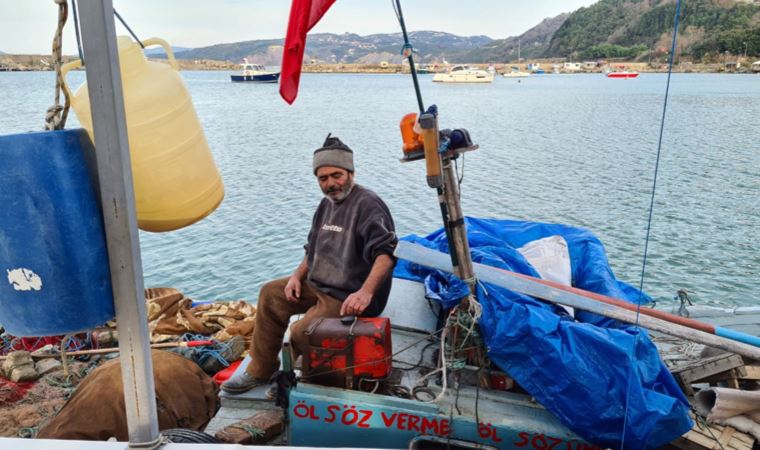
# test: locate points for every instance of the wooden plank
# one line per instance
(744, 438)
(732, 382)
(727, 376)
(712, 437)
(726, 435)
(751, 373)
(682, 443)
(704, 442)
(699, 370)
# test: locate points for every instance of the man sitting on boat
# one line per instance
(346, 269)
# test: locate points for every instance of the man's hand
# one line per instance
(356, 303)
(293, 289)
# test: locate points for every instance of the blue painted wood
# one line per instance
(54, 271)
(331, 417)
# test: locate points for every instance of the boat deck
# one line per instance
(415, 355)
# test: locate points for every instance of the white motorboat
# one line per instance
(516, 73)
(464, 74)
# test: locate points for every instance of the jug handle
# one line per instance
(167, 49)
(65, 70)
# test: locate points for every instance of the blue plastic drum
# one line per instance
(54, 273)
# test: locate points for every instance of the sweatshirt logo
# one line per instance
(335, 228)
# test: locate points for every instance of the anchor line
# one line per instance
(650, 214)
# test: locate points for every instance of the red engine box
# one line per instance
(341, 352)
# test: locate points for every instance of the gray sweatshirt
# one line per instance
(344, 240)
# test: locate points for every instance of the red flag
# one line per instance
(304, 14)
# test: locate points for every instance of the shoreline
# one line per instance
(39, 63)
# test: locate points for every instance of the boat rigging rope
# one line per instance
(651, 210)
(118, 16)
(55, 117)
(408, 52)
(76, 30)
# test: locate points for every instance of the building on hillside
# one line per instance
(733, 66)
(590, 65)
(571, 67)
(756, 66)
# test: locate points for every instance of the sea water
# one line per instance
(573, 149)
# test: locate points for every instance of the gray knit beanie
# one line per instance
(334, 153)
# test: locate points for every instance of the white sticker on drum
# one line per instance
(24, 280)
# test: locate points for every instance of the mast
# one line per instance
(114, 178)
(519, 59)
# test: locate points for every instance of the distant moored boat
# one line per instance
(464, 74)
(256, 73)
(624, 74)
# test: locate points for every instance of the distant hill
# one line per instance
(531, 44)
(158, 52)
(263, 51)
(631, 28)
(431, 46)
(627, 29)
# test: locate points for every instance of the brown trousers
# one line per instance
(273, 313)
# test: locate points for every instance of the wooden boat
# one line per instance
(469, 417)
(485, 418)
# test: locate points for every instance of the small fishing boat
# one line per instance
(423, 69)
(412, 417)
(256, 73)
(624, 74)
(515, 72)
(464, 74)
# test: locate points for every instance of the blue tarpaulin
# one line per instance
(580, 369)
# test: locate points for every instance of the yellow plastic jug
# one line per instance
(175, 178)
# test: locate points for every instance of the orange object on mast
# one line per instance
(412, 141)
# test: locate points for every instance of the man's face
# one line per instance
(336, 183)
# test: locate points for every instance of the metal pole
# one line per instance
(118, 202)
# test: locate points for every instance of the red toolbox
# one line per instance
(343, 351)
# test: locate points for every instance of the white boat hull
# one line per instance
(516, 74)
(463, 78)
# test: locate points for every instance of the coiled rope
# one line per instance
(55, 117)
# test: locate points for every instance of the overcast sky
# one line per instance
(27, 26)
